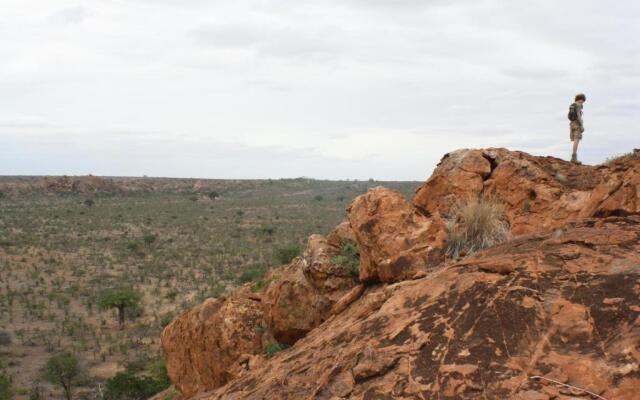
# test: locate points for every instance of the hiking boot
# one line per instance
(574, 159)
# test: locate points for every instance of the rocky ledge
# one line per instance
(553, 313)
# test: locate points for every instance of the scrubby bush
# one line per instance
(349, 259)
(284, 255)
(129, 386)
(5, 383)
(268, 230)
(476, 224)
(142, 379)
(5, 387)
(5, 338)
(166, 319)
(271, 349)
(253, 274)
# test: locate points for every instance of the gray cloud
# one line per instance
(335, 89)
(71, 15)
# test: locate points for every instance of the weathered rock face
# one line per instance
(563, 306)
(203, 346)
(302, 294)
(540, 193)
(560, 302)
(211, 344)
(394, 240)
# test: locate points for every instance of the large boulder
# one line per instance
(394, 241)
(507, 323)
(302, 294)
(205, 347)
(539, 193)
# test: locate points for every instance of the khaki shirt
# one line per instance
(579, 112)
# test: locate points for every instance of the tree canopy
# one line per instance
(63, 369)
(122, 299)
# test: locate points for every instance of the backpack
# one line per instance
(573, 113)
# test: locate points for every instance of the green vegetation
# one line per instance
(57, 255)
(5, 338)
(63, 370)
(128, 386)
(5, 387)
(476, 224)
(121, 299)
(349, 259)
(137, 383)
(5, 383)
(273, 348)
(284, 255)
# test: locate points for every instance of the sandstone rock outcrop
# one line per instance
(203, 346)
(500, 325)
(554, 313)
(394, 240)
(540, 193)
(211, 344)
(303, 293)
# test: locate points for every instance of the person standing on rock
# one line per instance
(576, 126)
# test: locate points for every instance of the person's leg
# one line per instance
(574, 155)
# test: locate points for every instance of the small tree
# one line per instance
(121, 299)
(64, 370)
(149, 239)
(5, 387)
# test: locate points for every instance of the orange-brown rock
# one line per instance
(341, 235)
(204, 347)
(393, 239)
(565, 308)
(553, 313)
(303, 293)
(540, 193)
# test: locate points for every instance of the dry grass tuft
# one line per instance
(476, 224)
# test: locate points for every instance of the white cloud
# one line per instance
(350, 88)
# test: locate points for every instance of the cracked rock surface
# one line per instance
(553, 313)
(567, 308)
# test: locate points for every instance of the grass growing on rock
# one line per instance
(476, 224)
(349, 259)
(271, 349)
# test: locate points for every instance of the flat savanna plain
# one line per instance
(175, 241)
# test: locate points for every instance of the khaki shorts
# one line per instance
(575, 131)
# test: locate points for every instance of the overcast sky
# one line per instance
(326, 89)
